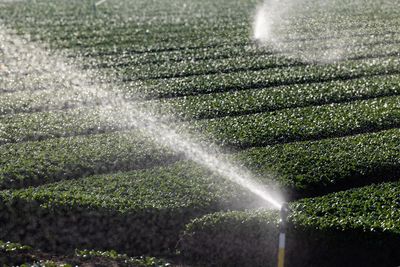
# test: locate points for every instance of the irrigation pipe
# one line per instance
(282, 234)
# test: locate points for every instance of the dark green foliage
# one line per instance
(33, 163)
(312, 168)
(44, 125)
(372, 208)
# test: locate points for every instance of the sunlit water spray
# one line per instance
(322, 31)
(54, 71)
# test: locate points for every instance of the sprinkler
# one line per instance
(95, 4)
(282, 234)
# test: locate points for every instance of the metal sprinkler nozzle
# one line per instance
(283, 216)
(282, 233)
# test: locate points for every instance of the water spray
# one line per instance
(280, 25)
(282, 234)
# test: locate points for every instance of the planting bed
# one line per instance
(77, 173)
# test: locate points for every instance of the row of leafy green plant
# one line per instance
(112, 59)
(357, 224)
(32, 163)
(213, 66)
(152, 36)
(299, 124)
(316, 167)
(44, 125)
(49, 99)
(106, 30)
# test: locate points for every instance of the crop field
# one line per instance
(314, 118)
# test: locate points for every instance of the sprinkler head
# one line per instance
(283, 215)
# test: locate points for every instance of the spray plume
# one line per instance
(320, 31)
(53, 73)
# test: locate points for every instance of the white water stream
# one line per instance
(29, 67)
